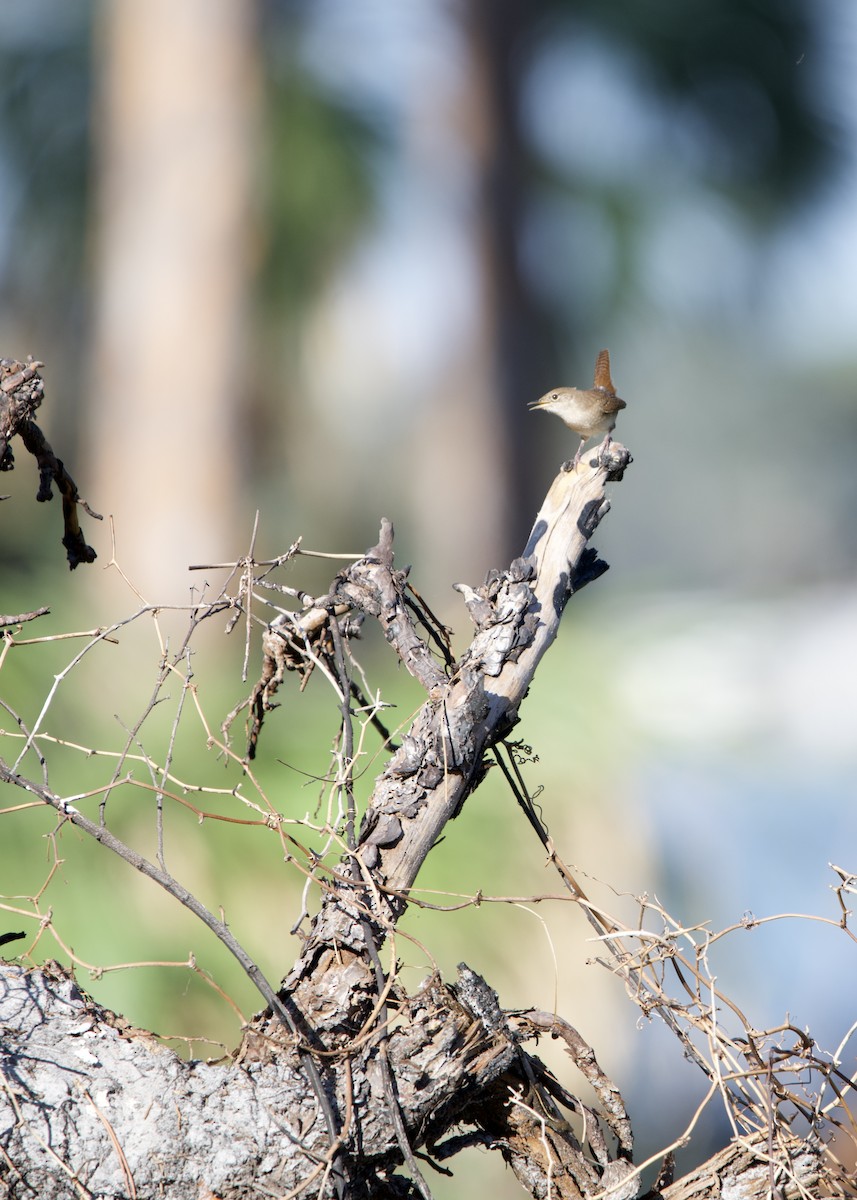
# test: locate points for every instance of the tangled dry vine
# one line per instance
(347, 1075)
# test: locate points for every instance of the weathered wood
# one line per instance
(439, 763)
(90, 1107)
(88, 1104)
(742, 1171)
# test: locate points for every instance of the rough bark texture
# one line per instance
(345, 1077)
(92, 1107)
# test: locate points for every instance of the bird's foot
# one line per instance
(570, 464)
(613, 458)
(576, 458)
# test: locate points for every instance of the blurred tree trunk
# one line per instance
(497, 33)
(175, 130)
(479, 412)
(522, 359)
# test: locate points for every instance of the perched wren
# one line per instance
(589, 412)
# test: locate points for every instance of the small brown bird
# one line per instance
(589, 412)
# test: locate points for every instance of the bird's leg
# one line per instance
(579, 452)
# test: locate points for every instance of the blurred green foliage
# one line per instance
(747, 73)
(45, 155)
(316, 182)
(102, 716)
(740, 77)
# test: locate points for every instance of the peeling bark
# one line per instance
(345, 1076)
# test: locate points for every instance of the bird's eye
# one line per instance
(554, 395)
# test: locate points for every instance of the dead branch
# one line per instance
(22, 618)
(21, 392)
(68, 1064)
(441, 759)
(346, 1076)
